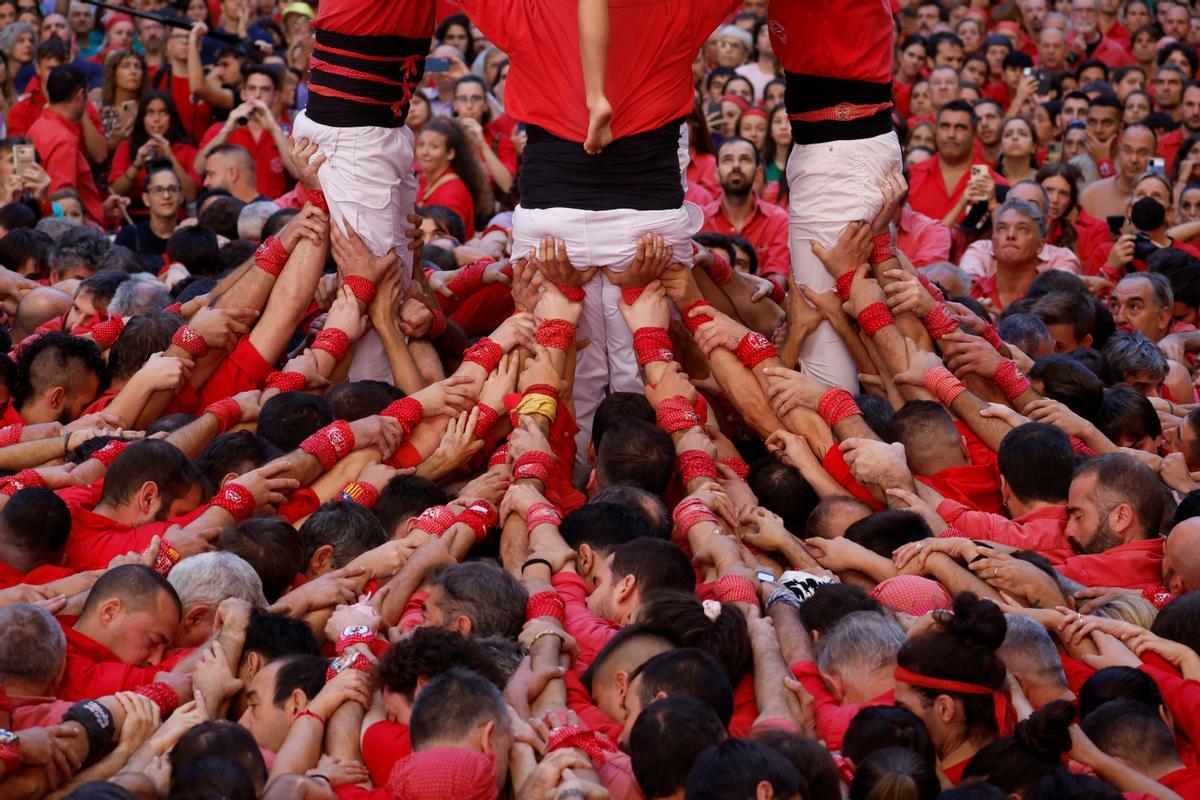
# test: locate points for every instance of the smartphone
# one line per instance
(437, 65)
(1054, 153)
(128, 108)
(1115, 223)
(1028, 72)
(979, 171)
(714, 107)
(23, 156)
(766, 576)
(1157, 166)
(1044, 79)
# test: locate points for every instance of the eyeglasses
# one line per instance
(168, 190)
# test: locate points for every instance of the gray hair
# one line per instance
(955, 272)
(209, 578)
(12, 32)
(79, 246)
(32, 643)
(1131, 353)
(138, 295)
(1028, 650)
(54, 227)
(253, 217)
(1024, 208)
(1159, 283)
(864, 640)
(486, 594)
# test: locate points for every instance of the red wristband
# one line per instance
(992, 337)
(364, 494)
(408, 411)
(317, 198)
(191, 342)
(167, 558)
(1158, 595)
(376, 645)
(469, 279)
(736, 589)
(754, 348)
(939, 322)
(695, 464)
(1010, 379)
(287, 381)
(486, 419)
(692, 511)
(236, 499)
(942, 383)
(631, 294)
(10, 757)
(835, 405)
(675, 414)
(105, 455)
(693, 323)
(874, 318)
(738, 465)
(437, 326)
(499, 457)
(651, 345)
(162, 694)
(480, 516)
(227, 412)
(532, 464)
(932, 288)
(556, 334)
(842, 287)
(720, 271)
(25, 479)
(271, 257)
(330, 444)
(105, 334)
(11, 434)
(485, 353)
(595, 745)
(174, 308)
(881, 249)
(361, 287)
(542, 514)
(546, 604)
(435, 520)
(572, 293)
(333, 341)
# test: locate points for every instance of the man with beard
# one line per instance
(741, 212)
(1171, 141)
(1110, 196)
(57, 377)
(990, 116)
(942, 187)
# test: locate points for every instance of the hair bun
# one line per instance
(979, 623)
(1046, 733)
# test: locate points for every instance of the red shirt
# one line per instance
(1043, 529)
(95, 539)
(590, 631)
(766, 229)
(702, 171)
(196, 114)
(269, 171)
(832, 718)
(1111, 53)
(121, 160)
(1133, 565)
(26, 111)
(59, 143)
(650, 55)
(927, 189)
(923, 239)
(1184, 782)
(92, 670)
(1168, 147)
(974, 485)
(498, 135)
(240, 371)
(46, 573)
(383, 744)
(848, 39)
(454, 195)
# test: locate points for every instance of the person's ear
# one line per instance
(200, 614)
(946, 708)
(297, 701)
(836, 686)
(583, 562)
(1086, 341)
(1121, 518)
(147, 496)
(1005, 492)
(252, 664)
(146, 199)
(322, 560)
(110, 610)
(462, 624)
(56, 397)
(621, 686)
(764, 791)
(624, 589)
(226, 478)
(487, 737)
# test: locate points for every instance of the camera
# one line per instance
(1143, 248)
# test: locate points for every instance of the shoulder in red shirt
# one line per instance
(849, 39)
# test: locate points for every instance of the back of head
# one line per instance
(978, 790)
(616, 408)
(271, 547)
(451, 706)
(1017, 763)
(136, 586)
(1127, 417)
(1132, 732)
(487, 595)
(884, 531)
(357, 399)
(253, 218)
(1068, 381)
(1026, 331)
(221, 216)
(1127, 355)
(209, 578)
(603, 526)
(725, 637)
(667, 738)
(56, 359)
(1030, 653)
(1037, 460)
(303, 672)
(1067, 308)
(783, 490)
(690, 671)
(833, 602)
(830, 517)
(655, 518)
(406, 496)
(37, 522)
(1123, 479)
(860, 643)
(288, 418)
(656, 565)
(224, 738)
(733, 769)
(928, 434)
(894, 773)
(211, 776)
(154, 460)
(430, 652)
(273, 636)
(811, 759)
(65, 81)
(197, 248)
(637, 452)
(1062, 785)
(235, 452)
(32, 644)
(1179, 620)
(144, 334)
(346, 527)
(1117, 683)
(878, 727)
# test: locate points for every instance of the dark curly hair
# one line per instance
(53, 359)
(429, 652)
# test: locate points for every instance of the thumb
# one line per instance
(819, 250)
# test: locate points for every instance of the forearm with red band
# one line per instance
(236, 499)
(330, 444)
(162, 694)
(469, 279)
(485, 353)
(485, 420)
(778, 293)
(594, 744)
(844, 282)
(939, 322)
(556, 334)
(690, 512)
(105, 455)
(372, 642)
(651, 345)
(542, 514)
(227, 412)
(435, 520)
(500, 456)
(631, 294)
(736, 589)
(10, 757)
(408, 411)
(24, 479)
(835, 405)
(693, 323)
(361, 287)
(572, 293)
(364, 494)
(11, 434)
(874, 318)
(720, 271)
(1012, 381)
(106, 333)
(532, 464)
(546, 604)
(191, 342)
(676, 414)
(480, 516)
(271, 257)
(931, 287)
(882, 249)
(317, 198)
(286, 381)
(167, 558)
(738, 465)
(1158, 595)
(695, 464)
(437, 325)
(333, 341)
(943, 385)
(992, 337)
(754, 348)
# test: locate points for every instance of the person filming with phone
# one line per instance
(158, 137)
(945, 185)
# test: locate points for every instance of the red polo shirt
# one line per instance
(269, 171)
(92, 670)
(11, 576)
(766, 229)
(58, 143)
(383, 744)
(927, 189)
(590, 631)
(196, 114)
(1133, 565)
(974, 485)
(923, 239)
(26, 111)
(1183, 782)
(1043, 529)
(832, 718)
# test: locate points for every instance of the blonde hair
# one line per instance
(1128, 608)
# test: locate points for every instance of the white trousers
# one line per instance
(368, 180)
(831, 185)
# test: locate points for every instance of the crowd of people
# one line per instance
(631, 399)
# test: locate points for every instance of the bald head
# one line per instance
(1181, 562)
(37, 308)
(833, 515)
(608, 676)
(136, 586)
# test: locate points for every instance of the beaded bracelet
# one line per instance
(286, 381)
(874, 318)
(191, 342)
(532, 464)
(485, 353)
(556, 334)
(754, 348)
(652, 345)
(675, 414)
(167, 558)
(105, 334)
(105, 455)
(691, 512)
(271, 257)
(542, 514)
(11, 434)
(333, 341)
(408, 411)
(735, 589)
(364, 494)
(361, 287)
(435, 520)
(485, 420)
(25, 479)
(943, 385)
(546, 604)
(835, 405)
(573, 293)
(236, 499)
(1012, 381)
(843, 285)
(881, 249)
(330, 444)
(693, 323)
(227, 412)
(469, 279)
(695, 464)
(630, 294)
(939, 322)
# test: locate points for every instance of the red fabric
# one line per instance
(483, 311)
(1182, 698)
(1043, 529)
(923, 239)
(304, 501)
(649, 77)
(927, 189)
(454, 195)
(834, 463)
(1168, 147)
(195, 114)
(975, 485)
(912, 594)
(1184, 782)
(745, 708)
(92, 670)
(1111, 53)
(702, 172)
(411, 20)
(1133, 565)
(590, 631)
(954, 772)
(1076, 671)
(766, 229)
(270, 173)
(46, 573)
(579, 701)
(185, 153)
(850, 39)
(498, 137)
(832, 718)
(58, 143)
(96, 540)
(240, 371)
(441, 773)
(26, 111)
(383, 744)
(1098, 261)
